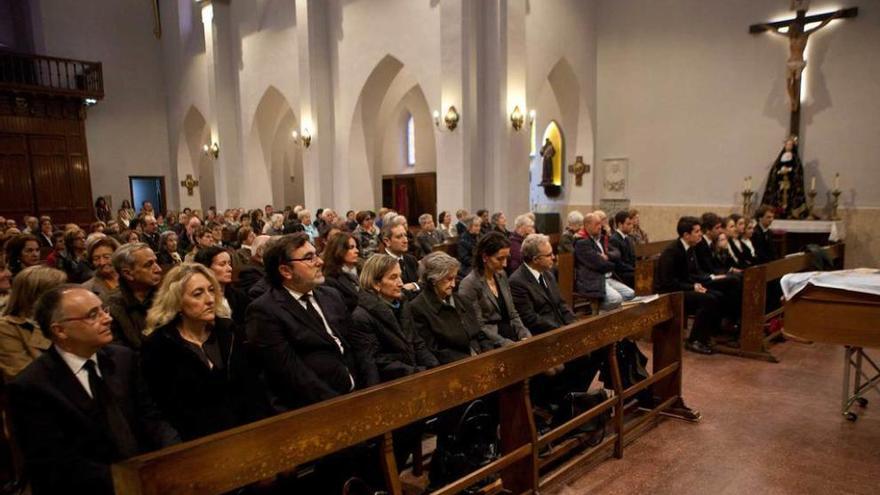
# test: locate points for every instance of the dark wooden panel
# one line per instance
(16, 187)
(51, 172)
(425, 200)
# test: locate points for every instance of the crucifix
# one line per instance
(579, 168)
(189, 183)
(797, 33)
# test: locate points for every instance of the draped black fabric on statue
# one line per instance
(796, 206)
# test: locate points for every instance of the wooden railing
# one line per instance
(753, 343)
(21, 72)
(235, 458)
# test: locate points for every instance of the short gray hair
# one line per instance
(468, 221)
(575, 219)
(531, 246)
(124, 256)
(436, 266)
(303, 213)
(424, 217)
(524, 220)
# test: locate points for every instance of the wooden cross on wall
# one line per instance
(189, 183)
(797, 33)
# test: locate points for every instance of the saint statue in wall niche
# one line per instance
(785, 183)
(547, 154)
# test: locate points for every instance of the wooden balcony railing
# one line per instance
(29, 73)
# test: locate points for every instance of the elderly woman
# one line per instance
(168, 257)
(204, 237)
(366, 233)
(22, 251)
(219, 260)
(195, 365)
(467, 242)
(99, 252)
(444, 319)
(275, 226)
(341, 257)
(382, 324)
(73, 260)
(305, 218)
(487, 287)
(21, 341)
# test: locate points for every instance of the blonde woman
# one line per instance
(21, 341)
(195, 365)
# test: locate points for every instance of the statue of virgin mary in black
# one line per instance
(785, 184)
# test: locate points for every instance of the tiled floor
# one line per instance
(766, 429)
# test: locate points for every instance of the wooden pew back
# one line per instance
(225, 461)
(449, 247)
(753, 343)
(646, 263)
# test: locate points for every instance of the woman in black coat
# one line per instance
(383, 328)
(442, 318)
(467, 242)
(219, 260)
(341, 257)
(195, 365)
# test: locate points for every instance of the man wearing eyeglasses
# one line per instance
(298, 327)
(82, 405)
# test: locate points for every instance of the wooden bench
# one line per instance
(565, 278)
(753, 343)
(646, 262)
(449, 247)
(231, 459)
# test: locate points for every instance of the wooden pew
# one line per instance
(225, 461)
(449, 247)
(646, 262)
(753, 343)
(565, 278)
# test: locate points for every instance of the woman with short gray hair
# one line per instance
(442, 318)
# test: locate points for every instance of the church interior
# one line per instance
(545, 107)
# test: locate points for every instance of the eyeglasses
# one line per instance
(549, 255)
(92, 317)
(309, 259)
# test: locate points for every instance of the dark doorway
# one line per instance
(150, 189)
(411, 195)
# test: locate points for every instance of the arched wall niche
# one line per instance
(191, 159)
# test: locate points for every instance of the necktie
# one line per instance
(310, 309)
(120, 430)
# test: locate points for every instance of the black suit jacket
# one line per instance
(765, 251)
(676, 269)
(590, 268)
(66, 445)
(707, 262)
(539, 310)
(625, 265)
(302, 363)
(347, 285)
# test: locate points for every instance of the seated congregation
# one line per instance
(151, 329)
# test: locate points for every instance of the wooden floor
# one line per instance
(767, 429)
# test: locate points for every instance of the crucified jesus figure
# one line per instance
(797, 33)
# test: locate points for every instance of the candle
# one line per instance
(745, 184)
(837, 182)
(813, 183)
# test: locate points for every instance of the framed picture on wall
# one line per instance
(615, 178)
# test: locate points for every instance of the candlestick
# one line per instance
(747, 202)
(837, 182)
(813, 183)
(811, 202)
(835, 198)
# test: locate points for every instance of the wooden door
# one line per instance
(16, 184)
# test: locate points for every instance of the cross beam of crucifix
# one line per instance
(797, 33)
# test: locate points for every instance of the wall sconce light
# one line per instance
(517, 119)
(212, 150)
(450, 119)
(304, 139)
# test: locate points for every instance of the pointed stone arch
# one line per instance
(274, 162)
(194, 134)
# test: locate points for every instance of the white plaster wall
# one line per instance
(127, 131)
(697, 103)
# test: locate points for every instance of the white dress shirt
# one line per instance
(77, 366)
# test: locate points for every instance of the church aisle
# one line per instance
(767, 429)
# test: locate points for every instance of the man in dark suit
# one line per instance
(762, 239)
(397, 244)
(713, 275)
(625, 264)
(82, 405)
(429, 236)
(541, 308)
(675, 272)
(298, 328)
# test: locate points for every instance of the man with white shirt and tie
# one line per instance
(593, 268)
(397, 245)
(82, 405)
(298, 328)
